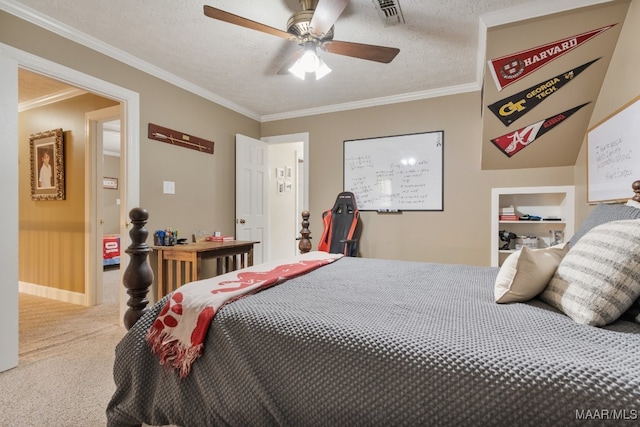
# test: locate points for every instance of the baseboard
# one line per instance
(52, 293)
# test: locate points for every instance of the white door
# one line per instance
(252, 179)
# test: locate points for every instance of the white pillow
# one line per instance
(524, 274)
(599, 278)
(633, 203)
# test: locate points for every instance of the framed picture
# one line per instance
(47, 165)
(288, 186)
(110, 183)
(279, 173)
(289, 172)
(280, 187)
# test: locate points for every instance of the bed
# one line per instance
(365, 342)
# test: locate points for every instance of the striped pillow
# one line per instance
(599, 278)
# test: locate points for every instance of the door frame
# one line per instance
(130, 131)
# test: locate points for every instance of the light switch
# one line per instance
(168, 187)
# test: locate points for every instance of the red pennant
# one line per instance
(511, 68)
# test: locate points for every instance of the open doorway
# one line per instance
(104, 243)
(289, 190)
(11, 60)
(55, 272)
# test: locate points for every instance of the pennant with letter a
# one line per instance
(511, 68)
(515, 141)
(510, 109)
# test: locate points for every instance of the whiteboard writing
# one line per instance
(613, 155)
(397, 172)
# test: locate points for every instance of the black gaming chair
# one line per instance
(341, 226)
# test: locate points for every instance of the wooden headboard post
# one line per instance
(138, 276)
(636, 190)
(305, 240)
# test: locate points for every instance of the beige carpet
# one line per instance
(64, 376)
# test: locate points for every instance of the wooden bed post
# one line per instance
(305, 240)
(636, 190)
(138, 276)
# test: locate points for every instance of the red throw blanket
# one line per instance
(177, 336)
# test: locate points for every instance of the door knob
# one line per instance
(242, 221)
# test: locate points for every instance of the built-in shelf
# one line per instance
(545, 202)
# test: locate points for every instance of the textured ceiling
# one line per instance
(443, 46)
(438, 47)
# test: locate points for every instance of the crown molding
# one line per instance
(50, 99)
(374, 102)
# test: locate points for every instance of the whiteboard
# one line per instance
(396, 173)
(613, 155)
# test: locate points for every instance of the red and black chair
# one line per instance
(341, 226)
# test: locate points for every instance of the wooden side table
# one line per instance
(181, 264)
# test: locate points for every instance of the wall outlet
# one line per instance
(168, 187)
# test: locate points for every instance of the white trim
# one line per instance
(374, 102)
(51, 293)
(10, 200)
(50, 99)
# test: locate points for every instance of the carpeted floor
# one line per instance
(64, 374)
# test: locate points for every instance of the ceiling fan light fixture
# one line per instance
(310, 62)
(322, 70)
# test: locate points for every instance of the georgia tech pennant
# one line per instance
(511, 68)
(515, 141)
(510, 109)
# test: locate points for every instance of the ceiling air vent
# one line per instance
(389, 11)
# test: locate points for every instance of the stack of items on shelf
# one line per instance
(508, 213)
(218, 237)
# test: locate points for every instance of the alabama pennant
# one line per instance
(515, 141)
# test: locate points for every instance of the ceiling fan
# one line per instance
(312, 27)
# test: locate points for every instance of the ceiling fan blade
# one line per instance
(221, 15)
(325, 15)
(363, 51)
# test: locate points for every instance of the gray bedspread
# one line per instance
(364, 342)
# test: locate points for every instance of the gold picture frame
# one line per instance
(47, 165)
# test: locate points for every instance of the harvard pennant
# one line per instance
(515, 141)
(511, 68)
(510, 109)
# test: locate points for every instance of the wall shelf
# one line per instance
(547, 201)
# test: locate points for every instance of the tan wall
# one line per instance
(51, 236)
(620, 86)
(460, 233)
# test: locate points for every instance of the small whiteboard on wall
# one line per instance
(613, 155)
(396, 173)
